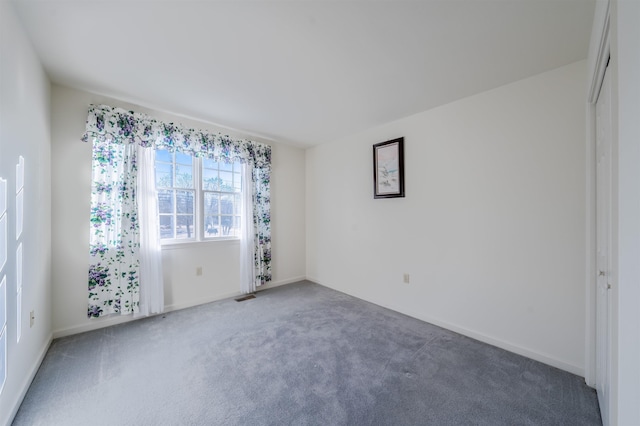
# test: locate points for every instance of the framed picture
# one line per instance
(388, 169)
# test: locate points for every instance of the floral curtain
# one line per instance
(115, 133)
(261, 179)
(114, 243)
(120, 126)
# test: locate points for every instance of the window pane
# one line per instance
(232, 226)
(165, 201)
(237, 182)
(236, 204)
(227, 181)
(184, 202)
(163, 155)
(166, 226)
(226, 166)
(184, 176)
(212, 226)
(236, 226)
(209, 163)
(226, 223)
(226, 204)
(164, 175)
(3, 359)
(211, 203)
(184, 229)
(183, 158)
(210, 180)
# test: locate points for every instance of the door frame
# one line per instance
(599, 53)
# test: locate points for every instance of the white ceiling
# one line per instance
(302, 72)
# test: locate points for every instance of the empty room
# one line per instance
(320, 212)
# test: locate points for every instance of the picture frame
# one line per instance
(388, 169)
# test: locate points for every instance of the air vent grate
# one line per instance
(247, 297)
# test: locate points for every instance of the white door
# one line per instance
(603, 246)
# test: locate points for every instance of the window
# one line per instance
(198, 198)
(19, 291)
(3, 223)
(3, 332)
(19, 227)
(3, 283)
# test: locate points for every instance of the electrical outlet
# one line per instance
(199, 270)
(405, 278)
(32, 318)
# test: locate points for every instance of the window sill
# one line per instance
(178, 245)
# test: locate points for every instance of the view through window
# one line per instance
(198, 199)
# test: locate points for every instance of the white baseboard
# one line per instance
(178, 306)
(197, 302)
(537, 356)
(273, 284)
(27, 381)
(94, 324)
(98, 323)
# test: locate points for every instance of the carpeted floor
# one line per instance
(299, 354)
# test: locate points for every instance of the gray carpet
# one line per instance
(299, 354)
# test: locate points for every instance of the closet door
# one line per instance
(603, 246)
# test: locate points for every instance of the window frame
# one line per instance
(199, 234)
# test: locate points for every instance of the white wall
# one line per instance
(71, 181)
(492, 229)
(24, 130)
(625, 67)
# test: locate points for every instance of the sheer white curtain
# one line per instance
(247, 233)
(151, 283)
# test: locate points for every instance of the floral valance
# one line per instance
(117, 125)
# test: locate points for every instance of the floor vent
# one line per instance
(247, 297)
